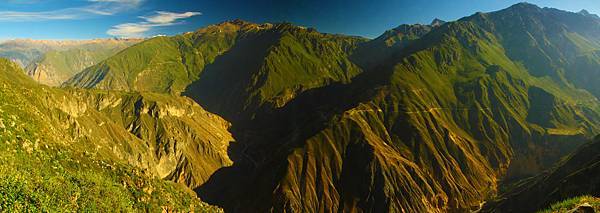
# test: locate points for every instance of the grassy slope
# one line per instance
(232, 67)
(572, 203)
(162, 64)
(270, 67)
(48, 164)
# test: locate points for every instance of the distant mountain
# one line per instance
(56, 66)
(25, 51)
(586, 13)
(425, 118)
(79, 146)
(51, 62)
(437, 22)
(577, 175)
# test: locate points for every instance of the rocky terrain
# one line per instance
(425, 118)
(443, 117)
(91, 143)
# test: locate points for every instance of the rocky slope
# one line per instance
(422, 119)
(575, 176)
(128, 140)
(171, 137)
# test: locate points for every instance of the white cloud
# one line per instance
(139, 29)
(31, 16)
(169, 17)
(94, 8)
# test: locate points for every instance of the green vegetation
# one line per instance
(421, 119)
(243, 65)
(161, 64)
(46, 165)
(572, 203)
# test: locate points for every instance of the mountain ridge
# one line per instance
(462, 43)
(421, 119)
(51, 62)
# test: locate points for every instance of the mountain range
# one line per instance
(491, 112)
(51, 62)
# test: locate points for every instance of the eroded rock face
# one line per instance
(172, 137)
(51, 134)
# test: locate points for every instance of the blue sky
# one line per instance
(86, 19)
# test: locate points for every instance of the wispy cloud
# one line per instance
(138, 29)
(22, 1)
(94, 8)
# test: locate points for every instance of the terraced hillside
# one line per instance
(67, 149)
(421, 119)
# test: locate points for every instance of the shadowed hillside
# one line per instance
(433, 127)
(425, 118)
(231, 68)
(575, 176)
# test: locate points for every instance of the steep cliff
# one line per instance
(69, 148)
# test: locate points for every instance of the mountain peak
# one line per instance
(584, 12)
(236, 22)
(525, 6)
(437, 22)
(239, 22)
(234, 25)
